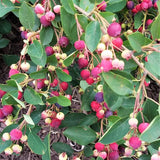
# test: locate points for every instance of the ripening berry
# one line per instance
(117, 43)
(113, 146)
(63, 41)
(44, 21)
(146, 83)
(2, 93)
(95, 72)
(114, 29)
(95, 106)
(108, 113)
(90, 80)
(13, 72)
(95, 153)
(16, 148)
(8, 151)
(79, 45)
(63, 156)
(143, 127)
(64, 86)
(23, 138)
(14, 66)
(100, 47)
(60, 116)
(47, 120)
(39, 9)
(1, 114)
(66, 71)
(85, 74)
(155, 157)
(138, 7)
(50, 16)
(15, 134)
(114, 155)
(46, 113)
(25, 66)
(99, 97)
(100, 114)
(135, 142)
(99, 146)
(126, 54)
(149, 21)
(130, 5)
(133, 122)
(54, 83)
(7, 109)
(115, 63)
(6, 136)
(120, 65)
(57, 9)
(106, 65)
(20, 95)
(106, 54)
(102, 6)
(82, 63)
(103, 155)
(49, 50)
(55, 123)
(40, 83)
(128, 151)
(144, 6)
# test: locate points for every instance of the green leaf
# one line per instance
(138, 20)
(84, 84)
(46, 35)
(52, 60)
(155, 32)
(10, 59)
(152, 132)
(69, 6)
(47, 155)
(39, 74)
(28, 119)
(4, 145)
(90, 94)
(63, 76)
(37, 53)
(60, 147)
(4, 42)
(32, 97)
(108, 16)
(5, 7)
(69, 28)
(69, 60)
(80, 135)
(154, 57)
(86, 5)
(26, 16)
(137, 40)
(63, 101)
(116, 132)
(88, 151)
(116, 5)
(5, 26)
(92, 35)
(36, 144)
(20, 77)
(117, 83)
(83, 21)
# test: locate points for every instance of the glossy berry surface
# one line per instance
(114, 29)
(85, 74)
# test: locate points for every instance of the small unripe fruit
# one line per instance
(120, 65)
(100, 47)
(6, 136)
(79, 45)
(50, 16)
(8, 151)
(15, 134)
(63, 156)
(25, 66)
(46, 113)
(130, 5)
(102, 6)
(105, 38)
(48, 120)
(60, 116)
(126, 54)
(63, 42)
(103, 155)
(8, 122)
(95, 153)
(44, 21)
(85, 74)
(63, 56)
(133, 122)
(106, 54)
(128, 151)
(14, 66)
(51, 68)
(115, 63)
(24, 138)
(39, 9)
(57, 9)
(16, 148)
(155, 157)
(13, 72)
(114, 29)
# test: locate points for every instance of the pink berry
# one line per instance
(102, 6)
(15, 134)
(155, 157)
(120, 65)
(16, 148)
(95, 72)
(146, 83)
(63, 42)
(20, 95)
(25, 66)
(117, 43)
(49, 50)
(85, 74)
(82, 63)
(40, 83)
(57, 9)
(134, 10)
(138, 7)
(100, 114)
(90, 80)
(144, 6)
(55, 93)
(95, 106)
(69, 96)
(54, 83)
(55, 123)
(50, 16)
(13, 72)
(44, 21)
(39, 9)
(113, 146)
(114, 29)
(149, 21)
(126, 54)
(103, 155)
(79, 45)
(1, 114)
(113, 155)
(128, 151)
(64, 86)
(146, 59)
(99, 146)
(7, 109)
(66, 71)
(135, 142)
(143, 127)
(2, 93)
(106, 65)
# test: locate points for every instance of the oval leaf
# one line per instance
(93, 35)
(47, 155)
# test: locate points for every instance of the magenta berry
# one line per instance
(144, 6)
(24, 34)
(149, 21)
(55, 123)
(2, 93)
(113, 155)
(130, 5)
(102, 6)
(90, 80)
(143, 127)
(138, 7)
(103, 155)
(100, 114)
(7, 109)
(15, 134)
(79, 45)
(13, 72)
(146, 83)
(82, 63)
(64, 86)
(113, 146)
(50, 16)
(106, 65)
(20, 95)
(99, 146)
(54, 83)
(40, 83)
(117, 43)
(49, 50)
(57, 9)
(85, 73)
(114, 29)
(95, 106)
(135, 142)
(63, 42)
(1, 114)
(44, 21)
(108, 113)
(39, 9)
(95, 72)
(99, 97)
(66, 71)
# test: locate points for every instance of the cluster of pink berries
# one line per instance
(52, 118)
(106, 151)
(14, 135)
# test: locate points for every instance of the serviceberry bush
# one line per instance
(108, 51)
